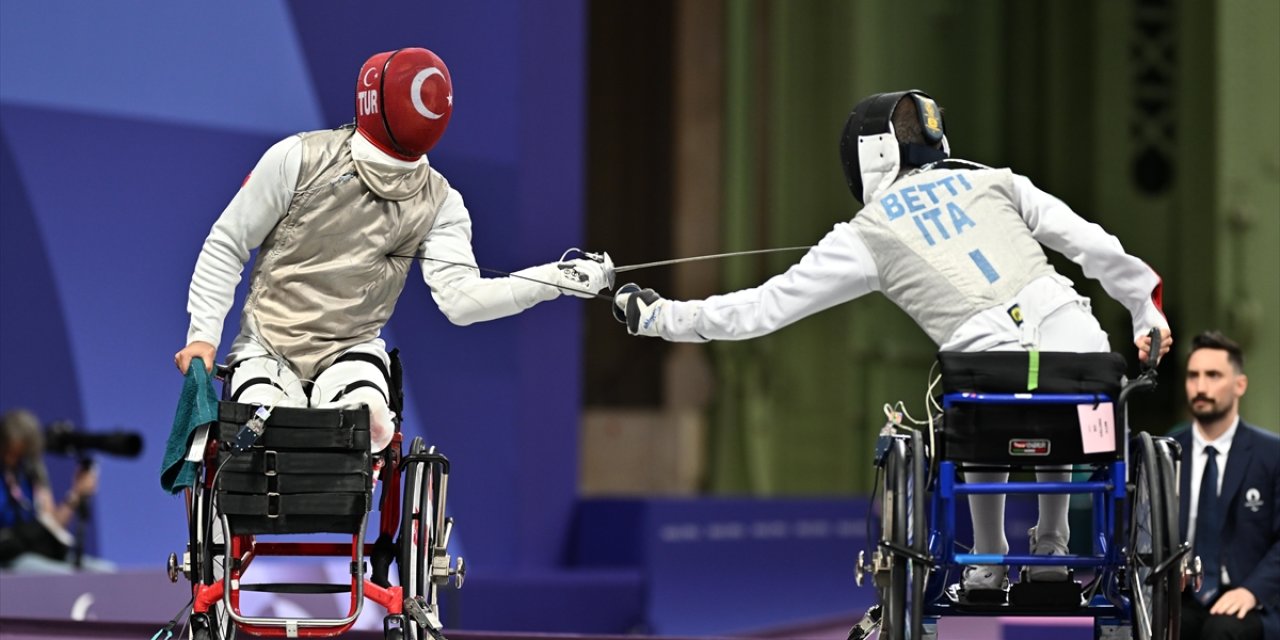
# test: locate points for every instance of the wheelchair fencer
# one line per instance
(310, 471)
(1022, 410)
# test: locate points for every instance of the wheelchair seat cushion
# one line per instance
(1026, 434)
(1007, 372)
(309, 472)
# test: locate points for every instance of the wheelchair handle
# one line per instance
(1153, 352)
(1146, 381)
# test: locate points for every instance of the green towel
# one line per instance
(198, 406)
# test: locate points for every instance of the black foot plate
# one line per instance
(1046, 596)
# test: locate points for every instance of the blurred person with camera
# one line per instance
(33, 526)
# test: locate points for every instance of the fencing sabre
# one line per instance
(604, 259)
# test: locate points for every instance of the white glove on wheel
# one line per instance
(640, 309)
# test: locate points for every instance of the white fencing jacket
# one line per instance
(263, 200)
(896, 245)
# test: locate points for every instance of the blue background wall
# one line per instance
(126, 127)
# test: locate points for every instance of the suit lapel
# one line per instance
(1184, 481)
(1237, 463)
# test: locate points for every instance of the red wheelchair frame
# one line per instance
(421, 552)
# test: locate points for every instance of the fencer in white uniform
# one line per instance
(957, 246)
(337, 218)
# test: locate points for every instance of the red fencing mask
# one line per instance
(403, 101)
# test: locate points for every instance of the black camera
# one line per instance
(63, 438)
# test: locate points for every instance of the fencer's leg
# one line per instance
(1070, 328)
(1052, 531)
(1073, 328)
(353, 382)
(1053, 525)
(988, 514)
(988, 532)
(381, 419)
(267, 381)
(257, 380)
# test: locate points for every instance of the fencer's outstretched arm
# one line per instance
(836, 270)
(1125, 278)
(465, 297)
(254, 211)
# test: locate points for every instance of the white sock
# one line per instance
(988, 514)
(1053, 524)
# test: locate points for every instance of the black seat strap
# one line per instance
(356, 356)
(299, 504)
(361, 384)
(250, 383)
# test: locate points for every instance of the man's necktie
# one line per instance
(1208, 528)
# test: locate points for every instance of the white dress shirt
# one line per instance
(1198, 460)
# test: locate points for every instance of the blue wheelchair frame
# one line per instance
(1138, 579)
(1106, 485)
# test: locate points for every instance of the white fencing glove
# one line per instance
(640, 309)
(585, 277)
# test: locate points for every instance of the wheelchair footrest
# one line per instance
(1059, 596)
(296, 587)
(982, 597)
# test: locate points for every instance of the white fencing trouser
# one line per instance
(269, 381)
(1070, 328)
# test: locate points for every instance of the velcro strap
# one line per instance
(292, 484)
(297, 417)
(1033, 370)
(281, 437)
(272, 462)
(300, 504)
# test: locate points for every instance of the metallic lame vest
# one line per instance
(323, 282)
(949, 244)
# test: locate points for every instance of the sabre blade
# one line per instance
(714, 256)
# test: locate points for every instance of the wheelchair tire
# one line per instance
(1153, 532)
(919, 534)
(1173, 579)
(417, 534)
(892, 589)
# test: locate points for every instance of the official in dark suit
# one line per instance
(1230, 486)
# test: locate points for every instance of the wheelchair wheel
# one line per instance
(417, 537)
(1154, 598)
(1172, 579)
(919, 534)
(205, 546)
(901, 530)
